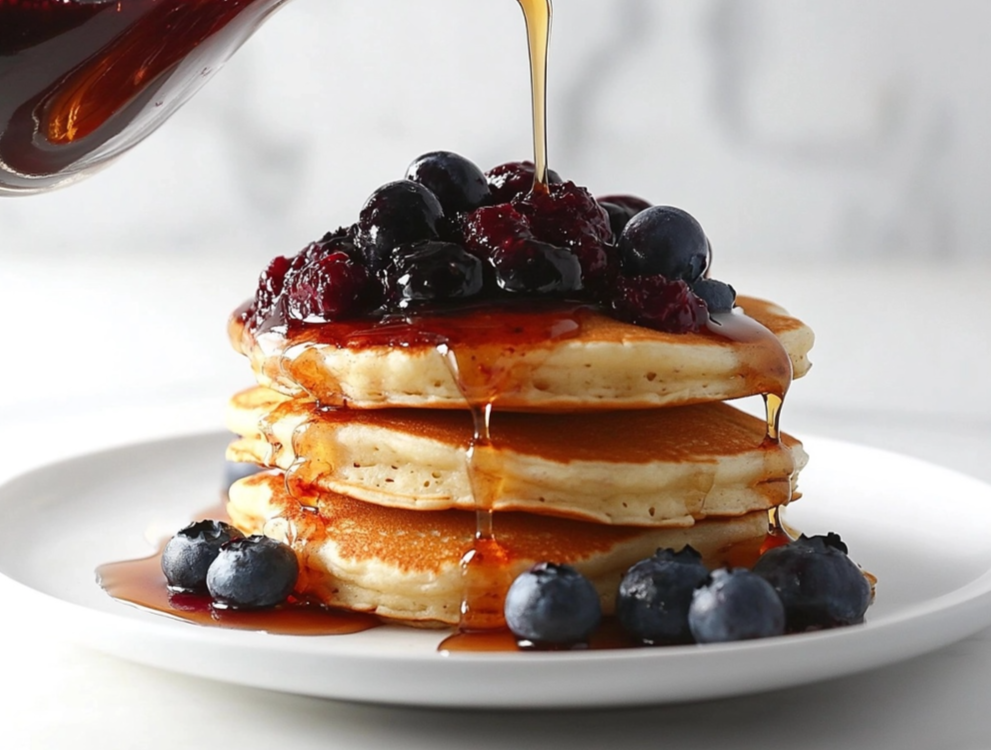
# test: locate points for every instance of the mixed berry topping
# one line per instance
(621, 208)
(552, 606)
(514, 180)
(568, 216)
(524, 267)
(431, 271)
(449, 233)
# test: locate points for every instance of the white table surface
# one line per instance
(146, 356)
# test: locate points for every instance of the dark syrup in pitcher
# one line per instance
(81, 81)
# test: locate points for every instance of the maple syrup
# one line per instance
(538, 15)
(141, 583)
(81, 81)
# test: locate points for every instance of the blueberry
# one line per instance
(552, 605)
(254, 572)
(654, 596)
(735, 605)
(666, 241)
(622, 208)
(188, 555)
(432, 272)
(821, 587)
(458, 184)
(533, 267)
(396, 214)
(717, 295)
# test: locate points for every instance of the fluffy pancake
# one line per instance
(656, 467)
(405, 565)
(561, 359)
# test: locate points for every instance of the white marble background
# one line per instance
(803, 128)
(836, 152)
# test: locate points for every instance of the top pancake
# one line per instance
(544, 358)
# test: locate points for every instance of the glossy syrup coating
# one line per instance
(431, 272)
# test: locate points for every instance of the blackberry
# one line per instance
(531, 267)
(515, 179)
(430, 272)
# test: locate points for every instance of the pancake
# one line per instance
(658, 467)
(405, 565)
(538, 358)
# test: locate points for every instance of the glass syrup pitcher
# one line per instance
(82, 81)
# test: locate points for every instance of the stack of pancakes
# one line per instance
(608, 441)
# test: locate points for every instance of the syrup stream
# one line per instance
(485, 566)
(538, 14)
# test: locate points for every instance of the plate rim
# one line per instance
(959, 612)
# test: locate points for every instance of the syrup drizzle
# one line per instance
(482, 375)
(538, 15)
(765, 361)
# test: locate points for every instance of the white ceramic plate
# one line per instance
(921, 529)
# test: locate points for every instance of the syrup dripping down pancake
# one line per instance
(406, 565)
(656, 467)
(540, 358)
